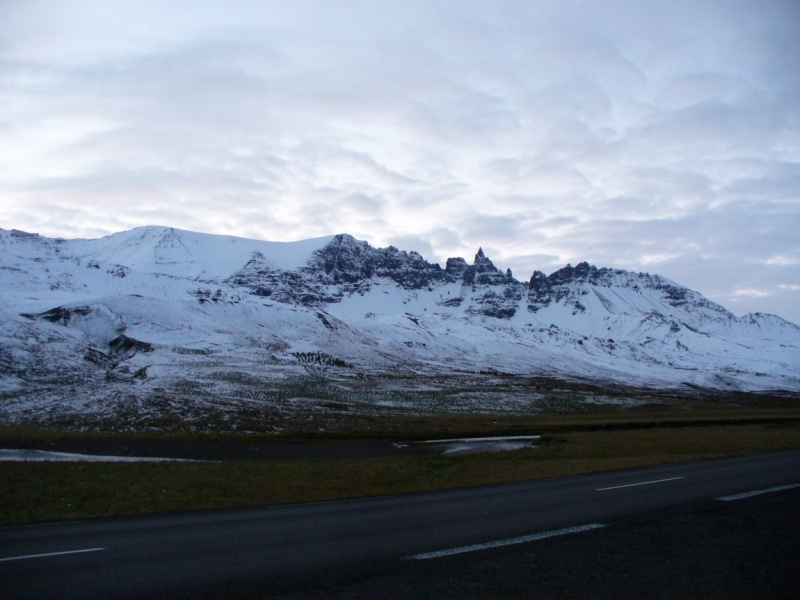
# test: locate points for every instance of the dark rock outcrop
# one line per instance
(345, 266)
(455, 267)
(499, 294)
(124, 347)
(61, 315)
(346, 260)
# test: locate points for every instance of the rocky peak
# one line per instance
(566, 284)
(483, 272)
(455, 267)
(350, 261)
(482, 263)
(583, 272)
(344, 266)
(344, 260)
(538, 280)
(496, 294)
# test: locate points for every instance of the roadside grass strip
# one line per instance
(508, 542)
(617, 487)
(759, 492)
(55, 491)
(50, 554)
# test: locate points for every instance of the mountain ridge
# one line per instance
(358, 263)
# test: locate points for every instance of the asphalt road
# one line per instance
(364, 548)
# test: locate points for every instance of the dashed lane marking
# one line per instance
(616, 487)
(50, 554)
(758, 492)
(508, 542)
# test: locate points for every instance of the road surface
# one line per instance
(296, 549)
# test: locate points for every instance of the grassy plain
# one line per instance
(571, 444)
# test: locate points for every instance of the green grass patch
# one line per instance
(46, 491)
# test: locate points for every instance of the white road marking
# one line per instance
(616, 487)
(50, 554)
(758, 492)
(508, 542)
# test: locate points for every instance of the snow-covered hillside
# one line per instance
(156, 307)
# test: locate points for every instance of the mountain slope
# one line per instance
(155, 307)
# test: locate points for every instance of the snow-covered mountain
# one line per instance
(157, 307)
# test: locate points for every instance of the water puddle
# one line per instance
(486, 444)
(44, 455)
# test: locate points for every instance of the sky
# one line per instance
(651, 136)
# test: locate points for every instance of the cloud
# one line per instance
(640, 135)
(752, 292)
(782, 261)
(363, 204)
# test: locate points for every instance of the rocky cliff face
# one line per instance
(346, 266)
(342, 267)
(347, 261)
(494, 293)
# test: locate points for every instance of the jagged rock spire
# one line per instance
(482, 263)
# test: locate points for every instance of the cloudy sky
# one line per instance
(653, 136)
